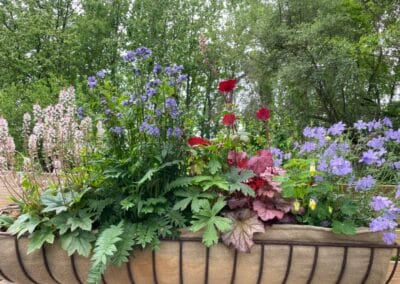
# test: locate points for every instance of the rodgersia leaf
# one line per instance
(245, 225)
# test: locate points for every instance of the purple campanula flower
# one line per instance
(389, 237)
(340, 167)
(178, 132)
(181, 78)
(337, 128)
(143, 98)
(144, 126)
(174, 113)
(128, 56)
(108, 112)
(157, 68)
(117, 130)
(172, 70)
(150, 92)
(170, 102)
(364, 183)
(92, 82)
(169, 132)
(360, 125)
(374, 125)
(153, 130)
(101, 74)
(396, 165)
(125, 103)
(143, 52)
(379, 203)
(158, 112)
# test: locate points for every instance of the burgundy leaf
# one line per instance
(237, 202)
(237, 159)
(266, 213)
(245, 224)
(259, 164)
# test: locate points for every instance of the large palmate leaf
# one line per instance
(208, 220)
(39, 237)
(245, 225)
(78, 241)
(57, 203)
(236, 178)
(193, 197)
(25, 223)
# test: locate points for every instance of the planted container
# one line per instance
(284, 254)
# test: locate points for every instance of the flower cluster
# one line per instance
(7, 147)
(57, 133)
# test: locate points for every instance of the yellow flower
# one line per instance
(296, 206)
(330, 209)
(313, 171)
(312, 204)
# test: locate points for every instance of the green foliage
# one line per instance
(207, 218)
(78, 241)
(104, 250)
(347, 227)
(25, 223)
(39, 237)
(236, 178)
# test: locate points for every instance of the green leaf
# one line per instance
(58, 203)
(180, 182)
(105, 249)
(24, 223)
(60, 222)
(78, 241)
(5, 221)
(235, 180)
(124, 247)
(348, 207)
(210, 236)
(82, 222)
(214, 166)
(39, 237)
(347, 227)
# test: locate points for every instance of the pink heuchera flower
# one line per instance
(259, 164)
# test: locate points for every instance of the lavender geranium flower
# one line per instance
(382, 224)
(370, 157)
(92, 82)
(308, 147)
(340, 167)
(337, 128)
(153, 130)
(389, 237)
(150, 92)
(393, 135)
(374, 125)
(360, 125)
(379, 203)
(365, 183)
(174, 69)
(322, 165)
(101, 74)
(398, 191)
(377, 142)
(387, 122)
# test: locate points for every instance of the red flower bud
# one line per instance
(229, 119)
(263, 114)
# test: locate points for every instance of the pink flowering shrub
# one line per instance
(7, 147)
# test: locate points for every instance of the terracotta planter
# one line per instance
(284, 254)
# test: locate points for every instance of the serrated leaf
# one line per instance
(214, 166)
(24, 223)
(57, 203)
(245, 225)
(39, 237)
(60, 222)
(348, 207)
(210, 236)
(180, 182)
(347, 227)
(6, 221)
(124, 247)
(78, 241)
(82, 222)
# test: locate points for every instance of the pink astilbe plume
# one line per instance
(7, 147)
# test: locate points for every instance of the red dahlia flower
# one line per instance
(196, 141)
(229, 119)
(263, 114)
(227, 86)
